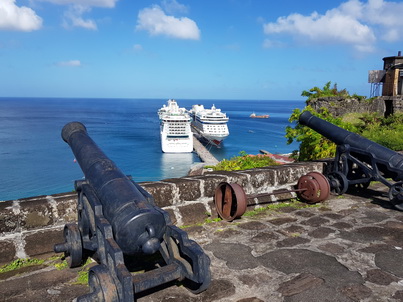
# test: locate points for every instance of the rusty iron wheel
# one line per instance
(314, 187)
(230, 201)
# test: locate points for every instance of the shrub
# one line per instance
(243, 162)
(326, 91)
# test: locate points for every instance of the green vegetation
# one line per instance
(243, 162)
(61, 265)
(280, 205)
(82, 277)
(19, 263)
(326, 91)
(207, 220)
(384, 131)
(57, 261)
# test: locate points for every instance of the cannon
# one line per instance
(231, 200)
(134, 243)
(359, 161)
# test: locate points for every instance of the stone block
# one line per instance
(163, 193)
(187, 188)
(232, 177)
(209, 183)
(66, 206)
(213, 212)
(42, 242)
(7, 252)
(171, 215)
(36, 213)
(299, 284)
(10, 217)
(194, 213)
(262, 178)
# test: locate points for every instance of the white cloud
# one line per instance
(73, 17)
(331, 28)
(71, 63)
(13, 17)
(387, 16)
(88, 3)
(172, 7)
(156, 22)
(355, 23)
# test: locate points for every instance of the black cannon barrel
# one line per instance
(137, 226)
(389, 158)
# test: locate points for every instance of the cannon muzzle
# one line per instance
(137, 226)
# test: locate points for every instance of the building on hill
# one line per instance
(390, 78)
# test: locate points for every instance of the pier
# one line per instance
(202, 152)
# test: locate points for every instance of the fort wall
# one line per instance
(30, 227)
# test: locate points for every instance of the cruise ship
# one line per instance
(176, 134)
(211, 124)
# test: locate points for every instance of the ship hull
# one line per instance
(215, 140)
(176, 145)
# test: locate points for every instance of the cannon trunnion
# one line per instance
(134, 242)
(359, 161)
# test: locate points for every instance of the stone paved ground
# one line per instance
(348, 249)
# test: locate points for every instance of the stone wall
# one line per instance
(339, 105)
(30, 227)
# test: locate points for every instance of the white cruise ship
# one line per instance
(176, 135)
(211, 124)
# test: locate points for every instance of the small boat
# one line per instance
(253, 115)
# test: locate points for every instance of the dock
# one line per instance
(205, 155)
(279, 158)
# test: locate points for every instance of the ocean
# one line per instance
(36, 161)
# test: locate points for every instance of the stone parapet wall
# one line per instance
(339, 106)
(30, 227)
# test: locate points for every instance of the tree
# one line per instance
(326, 91)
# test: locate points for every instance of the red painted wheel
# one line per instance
(230, 201)
(314, 187)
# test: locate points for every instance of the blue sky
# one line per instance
(200, 49)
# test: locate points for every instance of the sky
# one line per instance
(193, 49)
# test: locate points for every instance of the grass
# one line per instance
(279, 205)
(19, 263)
(56, 261)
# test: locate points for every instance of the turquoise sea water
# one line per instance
(36, 161)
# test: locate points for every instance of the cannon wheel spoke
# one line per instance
(338, 182)
(74, 253)
(396, 195)
(315, 187)
(230, 201)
